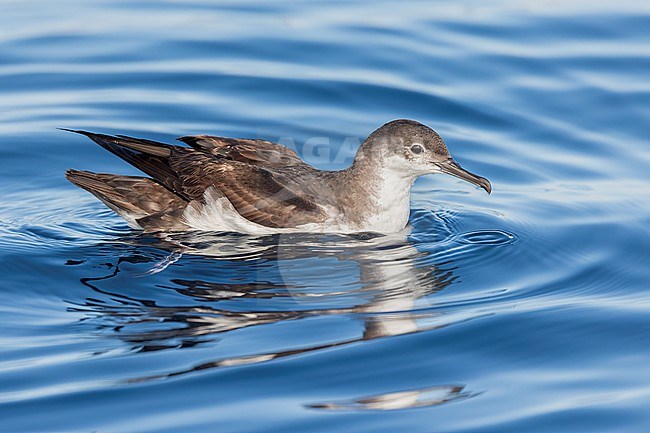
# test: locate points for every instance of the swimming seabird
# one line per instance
(257, 187)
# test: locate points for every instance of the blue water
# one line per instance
(526, 310)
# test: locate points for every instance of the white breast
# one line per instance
(392, 203)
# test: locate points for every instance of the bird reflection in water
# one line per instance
(391, 297)
(431, 396)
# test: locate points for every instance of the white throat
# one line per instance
(391, 201)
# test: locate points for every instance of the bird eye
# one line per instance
(417, 148)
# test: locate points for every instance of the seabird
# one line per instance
(257, 187)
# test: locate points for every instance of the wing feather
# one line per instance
(244, 171)
(257, 152)
(258, 194)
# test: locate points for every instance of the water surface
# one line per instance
(526, 310)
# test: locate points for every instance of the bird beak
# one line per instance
(451, 167)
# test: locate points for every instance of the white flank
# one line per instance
(390, 214)
(218, 214)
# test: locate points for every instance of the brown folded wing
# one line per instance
(258, 194)
(257, 152)
(239, 170)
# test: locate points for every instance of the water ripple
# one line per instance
(489, 237)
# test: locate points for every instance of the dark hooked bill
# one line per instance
(451, 167)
